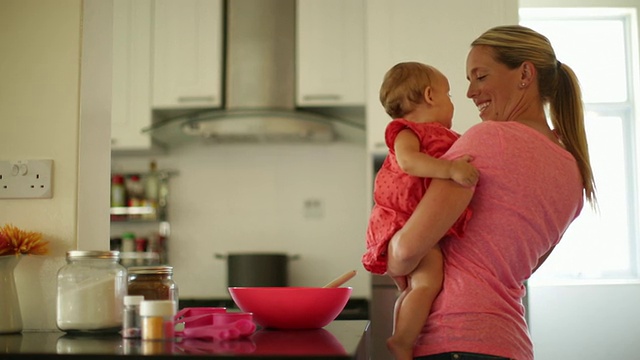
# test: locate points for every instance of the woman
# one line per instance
(532, 184)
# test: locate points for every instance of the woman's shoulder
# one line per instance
(485, 137)
(487, 125)
(489, 128)
(483, 129)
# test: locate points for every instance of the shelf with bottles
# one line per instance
(142, 247)
(140, 196)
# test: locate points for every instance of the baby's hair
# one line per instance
(403, 87)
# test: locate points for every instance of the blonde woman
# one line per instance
(534, 180)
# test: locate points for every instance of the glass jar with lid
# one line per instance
(152, 282)
(90, 292)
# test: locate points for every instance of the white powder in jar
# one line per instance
(95, 303)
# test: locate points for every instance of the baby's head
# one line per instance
(403, 87)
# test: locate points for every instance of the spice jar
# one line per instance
(131, 319)
(90, 292)
(153, 282)
(157, 319)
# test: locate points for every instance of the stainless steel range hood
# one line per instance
(259, 89)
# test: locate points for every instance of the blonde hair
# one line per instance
(403, 87)
(559, 88)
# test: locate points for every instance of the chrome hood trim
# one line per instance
(259, 89)
(246, 126)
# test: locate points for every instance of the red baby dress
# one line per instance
(396, 193)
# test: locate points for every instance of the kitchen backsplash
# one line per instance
(301, 199)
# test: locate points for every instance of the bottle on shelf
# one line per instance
(135, 196)
(118, 195)
(163, 195)
(141, 250)
(163, 235)
(128, 246)
(151, 190)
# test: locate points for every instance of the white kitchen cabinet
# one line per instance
(187, 54)
(434, 32)
(330, 53)
(131, 90)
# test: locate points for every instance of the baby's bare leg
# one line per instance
(414, 305)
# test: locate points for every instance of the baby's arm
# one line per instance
(416, 163)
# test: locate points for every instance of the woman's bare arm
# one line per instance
(438, 210)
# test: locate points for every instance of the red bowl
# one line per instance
(291, 307)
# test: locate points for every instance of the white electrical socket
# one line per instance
(26, 179)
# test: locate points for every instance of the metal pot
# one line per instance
(257, 269)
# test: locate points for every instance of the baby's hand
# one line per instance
(463, 172)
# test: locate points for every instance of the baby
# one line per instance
(416, 96)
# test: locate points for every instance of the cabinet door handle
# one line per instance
(322, 97)
(195, 98)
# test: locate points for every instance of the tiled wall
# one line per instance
(244, 198)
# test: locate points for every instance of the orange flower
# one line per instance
(14, 241)
(4, 244)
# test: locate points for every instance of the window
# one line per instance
(600, 45)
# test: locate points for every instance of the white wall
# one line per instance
(39, 101)
(46, 112)
(244, 198)
(585, 322)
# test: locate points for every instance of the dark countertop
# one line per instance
(341, 339)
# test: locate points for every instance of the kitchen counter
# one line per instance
(341, 339)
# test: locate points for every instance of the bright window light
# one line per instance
(597, 45)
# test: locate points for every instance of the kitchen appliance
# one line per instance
(259, 85)
(257, 269)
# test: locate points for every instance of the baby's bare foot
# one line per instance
(400, 349)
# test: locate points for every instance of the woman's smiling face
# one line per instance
(493, 87)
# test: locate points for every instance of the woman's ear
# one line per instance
(527, 72)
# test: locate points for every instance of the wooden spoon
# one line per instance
(337, 282)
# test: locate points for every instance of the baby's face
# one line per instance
(442, 99)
